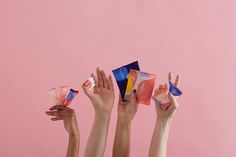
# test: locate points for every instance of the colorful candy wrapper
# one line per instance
(53, 93)
(121, 76)
(72, 93)
(143, 83)
(64, 90)
(161, 97)
(90, 83)
(174, 90)
(64, 96)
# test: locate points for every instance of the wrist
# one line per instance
(123, 124)
(124, 121)
(101, 116)
(74, 135)
(164, 122)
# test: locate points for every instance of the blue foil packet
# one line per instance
(174, 90)
(121, 76)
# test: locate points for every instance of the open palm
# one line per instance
(102, 95)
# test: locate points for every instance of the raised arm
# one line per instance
(102, 98)
(158, 147)
(60, 112)
(126, 113)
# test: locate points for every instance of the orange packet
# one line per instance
(143, 83)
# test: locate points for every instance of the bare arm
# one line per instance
(126, 113)
(60, 112)
(158, 146)
(102, 98)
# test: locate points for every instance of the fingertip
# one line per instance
(53, 119)
(169, 76)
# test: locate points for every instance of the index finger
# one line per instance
(57, 107)
(170, 76)
(110, 83)
(100, 81)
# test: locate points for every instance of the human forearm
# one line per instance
(97, 140)
(158, 145)
(73, 146)
(121, 146)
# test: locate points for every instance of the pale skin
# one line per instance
(158, 146)
(67, 115)
(102, 98)
(126, 113)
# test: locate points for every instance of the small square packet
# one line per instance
(161, 97)
(174, 90)
(63, 96)
(143, 83)
(90, 83)
(121, 75)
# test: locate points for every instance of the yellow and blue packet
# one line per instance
(121, 76)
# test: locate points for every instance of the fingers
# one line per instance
(85, 90)
(110, 82)
(56, 118)
(59, 113)
(170, 76)
(57, 107)
(100, 80)
(121, 102)
(95, 79)
(104, 79)
(177, 80)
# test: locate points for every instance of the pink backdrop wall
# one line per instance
(46, 43)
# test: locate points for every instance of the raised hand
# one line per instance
(102, 98)
(127, 109)
(158, 146)
(126, 113)
(102, 95)
(169, 113)
(61, 112)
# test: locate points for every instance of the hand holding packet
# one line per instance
(143, 83)
(161, 95)
(121, 75)
(64, 96)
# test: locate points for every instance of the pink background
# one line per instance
(47, 43)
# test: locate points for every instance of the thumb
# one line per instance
(85, 90)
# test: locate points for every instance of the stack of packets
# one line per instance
(161, 95)
(130, 78)
(121, 76)
(63, 96)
